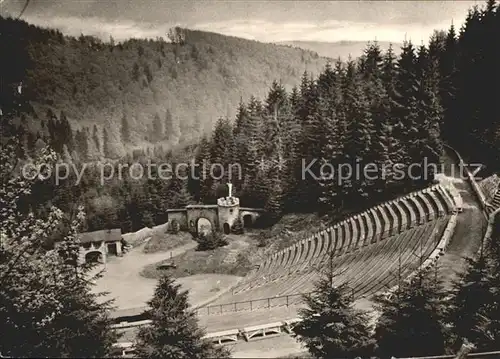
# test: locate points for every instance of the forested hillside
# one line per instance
(342, 49)
(470, 86)
(381, 109)
(142, 92)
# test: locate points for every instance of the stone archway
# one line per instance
(94, 257)
(227, 228)
(203, 225)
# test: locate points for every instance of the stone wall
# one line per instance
(227, 211)
(251, 212)
(180, 215)
(195, 212)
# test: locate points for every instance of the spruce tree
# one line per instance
(430, 117)
(405, 108)
(331, 327)
(331, 151)
(475, 310)
(183, 198)
(308, 189)
(412, 322)
(360, 137)
(125, 130)
(158, 129)
(291, 136)
(241, 117)
(66, 132)
(448, 62)
(372, 61)
(274, 203)
(222, 150)
(385, 151)
(173, 332)
(203, 171)
(97, 142)
(471, 295)
(106, 145)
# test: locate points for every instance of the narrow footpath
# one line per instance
(471, 225)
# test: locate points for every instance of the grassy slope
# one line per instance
(162, 242)
(242, 253)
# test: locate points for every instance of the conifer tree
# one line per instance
(405, 107)
(274, 203)
(95, 137)
(412, 322)
(430, 112)
(84, 144)
(291, 139)
(173, 332)
(158, 129)
(125, 130)
(251, 141)
(475, 310)
(359, 142)
(222, 150)
(331, 327)
(183, 198)
(66, 134)
(331, 151)
(106, 145)
(372, 61)
(448, 84)
(471, 294)
(308, 189)
(241, 117)
(386, 156)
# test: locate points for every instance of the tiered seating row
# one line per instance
(431, 259)
(366, 271)
(489, 186)
(353, 233)
(496, 200)
(494, 204)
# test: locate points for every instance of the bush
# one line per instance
(263, 240)
(238, 227)
(211, 241)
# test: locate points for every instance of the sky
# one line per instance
(266, 21)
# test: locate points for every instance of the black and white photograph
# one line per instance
(250, 179)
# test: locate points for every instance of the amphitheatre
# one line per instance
(371, 251)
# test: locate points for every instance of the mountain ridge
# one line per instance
(169, 93)
(337, 49)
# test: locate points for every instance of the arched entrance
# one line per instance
(247, 220)
(203, 225)
(94, 257)
(227, 228)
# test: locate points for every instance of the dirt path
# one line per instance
(466, 240)
(132, 262)
(130, 291)
(122, 280)
(273, 347)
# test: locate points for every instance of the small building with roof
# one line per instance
(96, 246)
